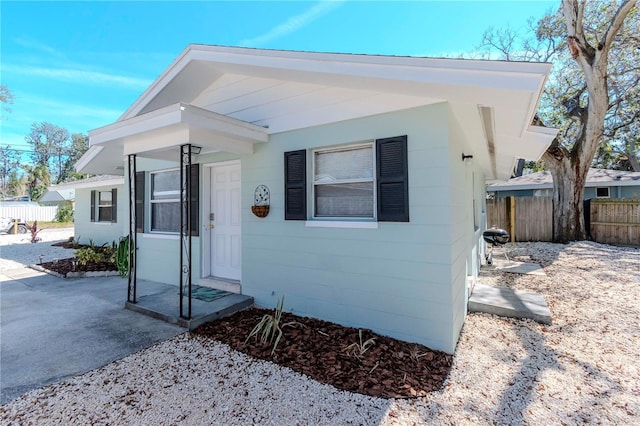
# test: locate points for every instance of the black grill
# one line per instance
(493, 237)
(496, 236)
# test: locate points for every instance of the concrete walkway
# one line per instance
(506, 302)
(54, 328)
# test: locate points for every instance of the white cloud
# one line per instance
(79, 76)
(75, 117)
(36, 45)
(294, 23)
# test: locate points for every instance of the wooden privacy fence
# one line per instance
(615, 221)
(532, 217)
(609, 221)
(30, 212)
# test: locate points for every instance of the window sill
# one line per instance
(159, 236)
(104, 223)
(340, 224)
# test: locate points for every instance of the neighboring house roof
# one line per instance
(92, 182)
(228, 99)
(58, 194)
(543, 180)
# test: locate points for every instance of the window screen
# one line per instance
(165, 201)
(343, 182)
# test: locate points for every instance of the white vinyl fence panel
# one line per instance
(30, 213)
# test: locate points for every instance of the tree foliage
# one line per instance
(37, 180)
(54, 148)
(592, 94)
(78, 146)
(9, 164)
(49, 144)
(6, 98)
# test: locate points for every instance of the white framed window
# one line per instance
(105, 206)
(165, 201)
(344, 182)
(602, 192)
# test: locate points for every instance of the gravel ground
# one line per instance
(582, 369)
(17, 251)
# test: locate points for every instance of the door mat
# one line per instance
(206, 294)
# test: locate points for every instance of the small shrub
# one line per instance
(358, 349)
(122, 256)
(64, 214)
(95, 254)
(269, 327)
(33, 228)
(88, 255)
(75, 241)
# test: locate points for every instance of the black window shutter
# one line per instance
(392, 179)
(295, 185)
(114, 205)
(139, 185)
(93, 205)
(195, 199)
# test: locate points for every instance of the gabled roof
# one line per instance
(277, 91)
(91, 182)
(59, 194)
(543, 180)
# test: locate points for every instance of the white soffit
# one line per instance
(278, 88)
(285, 90)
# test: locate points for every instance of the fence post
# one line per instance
(587, 217)
(512, 218)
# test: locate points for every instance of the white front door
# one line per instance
(225, 210)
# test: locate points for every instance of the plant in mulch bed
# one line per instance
(122, 256)
(358, 349)
(390, 368)
(269, 327)
(33, 228)
(88, 258)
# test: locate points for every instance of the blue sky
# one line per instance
(80, 65)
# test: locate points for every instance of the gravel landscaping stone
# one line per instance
(582, 369)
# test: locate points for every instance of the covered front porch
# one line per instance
(159, 301)
(175, 137)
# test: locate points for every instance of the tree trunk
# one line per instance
(569, 177)
(569, 168)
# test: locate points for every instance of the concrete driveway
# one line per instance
(52, 328)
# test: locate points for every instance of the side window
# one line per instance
(602, 192)
(364, 181)
(104, 206)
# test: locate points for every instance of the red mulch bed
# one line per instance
(65, 265)
(390, 368)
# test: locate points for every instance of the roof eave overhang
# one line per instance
(159, 134)
(386, 73)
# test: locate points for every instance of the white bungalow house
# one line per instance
(372, 168)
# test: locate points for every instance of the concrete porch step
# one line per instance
(510, 303)
(164, 306)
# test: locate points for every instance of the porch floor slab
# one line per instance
(510, 303)
(162, 301)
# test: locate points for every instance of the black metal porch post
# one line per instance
(185, 229)
(133, 236)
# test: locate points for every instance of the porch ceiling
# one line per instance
(160, 133)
